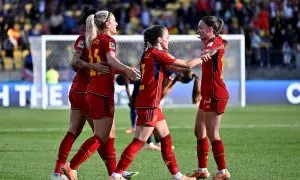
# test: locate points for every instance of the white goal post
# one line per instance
(56, 51)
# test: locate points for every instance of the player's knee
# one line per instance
(102, 136)
(213, 136)
(199, 134)
(75, 131)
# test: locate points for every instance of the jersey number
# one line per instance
(93, 56)
(142, 73)
(222, 67)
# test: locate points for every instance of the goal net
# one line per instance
(55, 51)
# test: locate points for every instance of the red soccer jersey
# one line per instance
(101, 84)
(212, 84)
(80, 80)
(153, 69)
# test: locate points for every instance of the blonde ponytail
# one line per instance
(90, 30)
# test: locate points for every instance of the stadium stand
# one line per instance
(271, 28)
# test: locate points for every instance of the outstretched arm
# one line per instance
(131, 72)
(187, 64)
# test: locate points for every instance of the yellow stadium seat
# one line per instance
(18, 59)
(17, 55)
(3, 53)
(25, 53)
(7, 63)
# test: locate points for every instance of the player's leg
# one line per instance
(162, 130)
(150, 145)
(213, 121)
(141, 135)
(77, 121)
(202, 146)
(145, 125)
(102, 113)
(133, 121)
(102, 128)
(108, 152)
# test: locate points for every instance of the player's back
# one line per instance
(101, 83)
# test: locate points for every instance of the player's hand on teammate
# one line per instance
(205, 56)
(133, 73)
(100, 68)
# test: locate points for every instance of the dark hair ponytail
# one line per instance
(152, 34)
(217, 24)
(219, 28)
(196, 90)
(146, 37)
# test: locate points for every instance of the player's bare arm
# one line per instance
(78, 62)
(177, 68)
(131, 72)
(188, 63)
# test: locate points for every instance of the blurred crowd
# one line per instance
(271, 27)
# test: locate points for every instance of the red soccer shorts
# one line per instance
(100, 106)
(213, 105)
(149, 116)
(78, 102)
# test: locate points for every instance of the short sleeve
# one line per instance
(165, 58)
(110, 45)
(79, 43)
(216, 43)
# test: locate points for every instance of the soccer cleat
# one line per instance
(152, 146)
(183, 177)
(200, 174)
(70, 173)
(129, 175)
(118, 177)
(130, 131)
(221, 175)
(57, 176)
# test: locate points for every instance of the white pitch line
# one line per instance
(171, 127)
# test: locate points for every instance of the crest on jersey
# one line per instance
(81, 44)
(112, 45)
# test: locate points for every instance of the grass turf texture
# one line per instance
(261, 142)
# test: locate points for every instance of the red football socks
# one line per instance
(64, 150)
(168, 155)
(202, 152)
(219, 154)
(128, 155)
(85, 151)
(108, 154)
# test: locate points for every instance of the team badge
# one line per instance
(80, 44)
(112, 45)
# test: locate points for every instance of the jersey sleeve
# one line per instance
(165, 58)
(110, 45)
(79, 43)
(216, 43)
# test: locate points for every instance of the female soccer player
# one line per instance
(214, 99)
(153, 66)
(100, 90)
(79, 108)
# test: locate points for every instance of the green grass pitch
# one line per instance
(261, 143)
